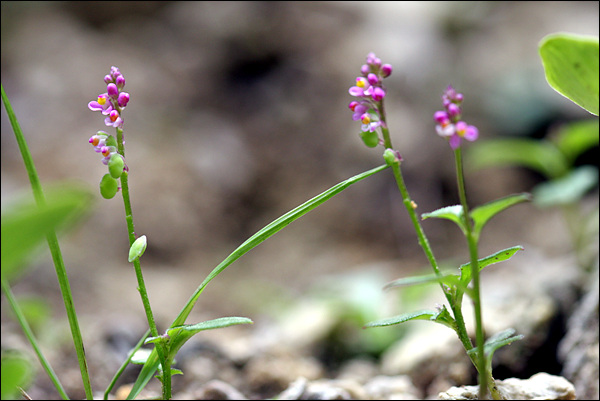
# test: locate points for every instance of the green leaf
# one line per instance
(568, 189)
(575, 138)
(441, 316)
(482, 214)
(405, 317)
(275, 226)
(500, 256)
(454, 213)
(25, 225)
(571, 65)
(539, 155)
(448, 279)
(179, 335)
(495, 342)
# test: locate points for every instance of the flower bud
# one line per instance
(108, 187)
(391, 156)
(137, 248)
(115, 165)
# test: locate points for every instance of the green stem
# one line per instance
(59, 266)
(410, 206)
(32, 340)
(485, 377)
(138, 272)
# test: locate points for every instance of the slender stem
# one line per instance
(138, 272)
(61, 272)
(485, 378)
(32, 340)
(410, 206)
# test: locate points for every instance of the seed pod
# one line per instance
(108, 186)
(391, 156)
(137, 248)
(115, 165)
(370, 138)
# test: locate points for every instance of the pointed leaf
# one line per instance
(454, 213)
(482, 214)
(405, 317)
(500, 256)
(571, 65)
(495, 342)
(263, 234)
(441, 316)
(424, 279)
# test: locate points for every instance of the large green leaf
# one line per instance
(571, 65)
(482, 214)
(150, 367)
(25, 226)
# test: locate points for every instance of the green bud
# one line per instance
(137, 248)
(108, 186)
(370, 138)
(115, 165)
(111, 141)
(391, 156)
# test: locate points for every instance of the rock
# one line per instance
(219, 390)
(540, 386)
(579, 348)
(391, 388)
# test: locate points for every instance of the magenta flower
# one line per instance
(111, 104)
(449, 125)
(113, 101)
(370, 91)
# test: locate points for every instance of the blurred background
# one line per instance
(238, 113)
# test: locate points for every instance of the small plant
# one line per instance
(369, 110)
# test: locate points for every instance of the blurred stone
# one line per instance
(579, 348)
(391, 388)
(219, 390)
(540, 386)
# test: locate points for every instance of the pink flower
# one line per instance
(449, 124)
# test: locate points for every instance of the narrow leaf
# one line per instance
(454, 213)
(500, 256)
(449, 279)
(270, 229)
(405, 317)
(571, 65)
(482, 214)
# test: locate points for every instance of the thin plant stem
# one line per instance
(52, 240)
(32, 340)
(485, 378)
(166, 382)
(410, 206)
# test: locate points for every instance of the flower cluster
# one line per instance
(370, 91)
(449, 124)
(112, 102)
